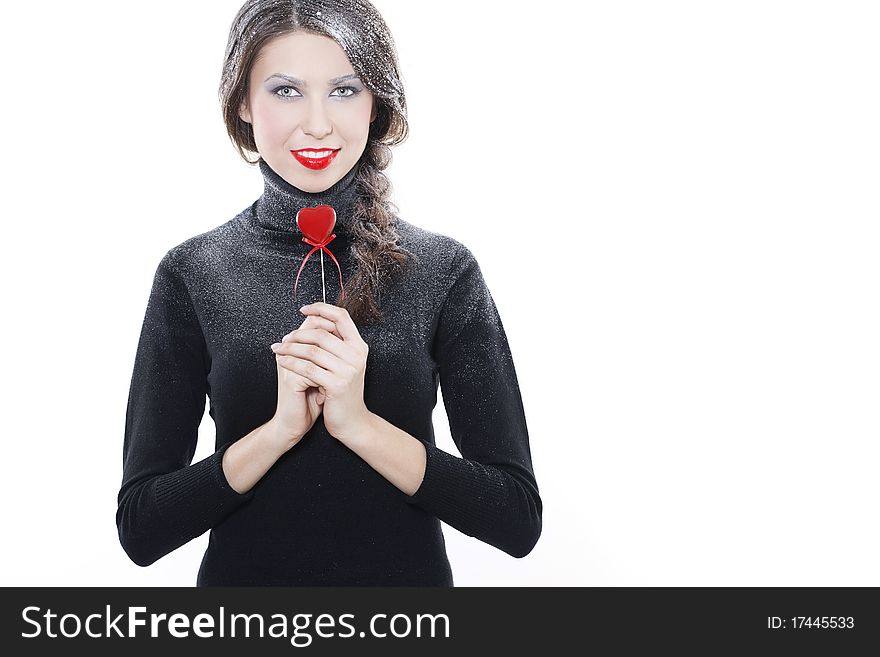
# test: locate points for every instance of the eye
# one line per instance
(351, 92)
(354, 91)
(275, 91)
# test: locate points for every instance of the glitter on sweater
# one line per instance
(321, 515)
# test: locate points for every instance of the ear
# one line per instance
(244, 113)
(375, 111)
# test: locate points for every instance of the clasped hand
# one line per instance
(331, 356)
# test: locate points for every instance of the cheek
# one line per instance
(356, 120)
(366, 106)
(271, 119)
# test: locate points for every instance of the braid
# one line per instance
(364, 36)
(374, 236)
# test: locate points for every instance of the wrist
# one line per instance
(363, 433)
(281, 440)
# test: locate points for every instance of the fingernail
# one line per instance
(274, 346)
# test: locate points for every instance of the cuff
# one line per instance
(450, 480)
(201, 484)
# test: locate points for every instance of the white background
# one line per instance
(675, 207)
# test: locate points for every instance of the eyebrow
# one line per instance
(303, 83)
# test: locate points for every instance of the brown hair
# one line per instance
(364, 37)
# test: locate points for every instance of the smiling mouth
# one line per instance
(315, 159)
(316, 155)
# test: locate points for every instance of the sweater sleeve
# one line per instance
(490, 493)
(165, 500)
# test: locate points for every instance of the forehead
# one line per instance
(303, 55)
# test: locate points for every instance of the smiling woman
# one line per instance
(325, 470)
(311, 76)
(320, 156)
(308, 114)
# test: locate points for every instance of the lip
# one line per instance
(315, 163)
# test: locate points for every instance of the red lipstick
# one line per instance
(315, 162)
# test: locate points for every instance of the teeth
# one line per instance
(315, 154)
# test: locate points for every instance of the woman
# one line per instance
(325, 471)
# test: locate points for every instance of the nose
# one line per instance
(316, 121)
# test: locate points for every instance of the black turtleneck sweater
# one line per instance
(321, 515)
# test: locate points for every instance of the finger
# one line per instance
(314, 321)
(306, 369)
(306, 380)
(338, 315)
(329, 342)
(316, 400)
(314, 352)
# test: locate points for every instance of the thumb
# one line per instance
(315, 400)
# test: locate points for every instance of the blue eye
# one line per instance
(276, 90)
(354, 92)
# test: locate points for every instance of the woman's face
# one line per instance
(297, 101)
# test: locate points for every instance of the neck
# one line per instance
(276, 209)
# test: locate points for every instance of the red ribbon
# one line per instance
(319, 245)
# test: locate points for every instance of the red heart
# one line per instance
(317, 223)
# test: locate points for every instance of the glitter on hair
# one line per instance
(363, 35)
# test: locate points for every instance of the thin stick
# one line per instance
(323, 289)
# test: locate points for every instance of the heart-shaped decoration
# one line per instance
(317, 223)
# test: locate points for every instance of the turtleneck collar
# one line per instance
(276, 209)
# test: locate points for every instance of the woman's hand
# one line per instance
(299, 399)
(333, 357)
